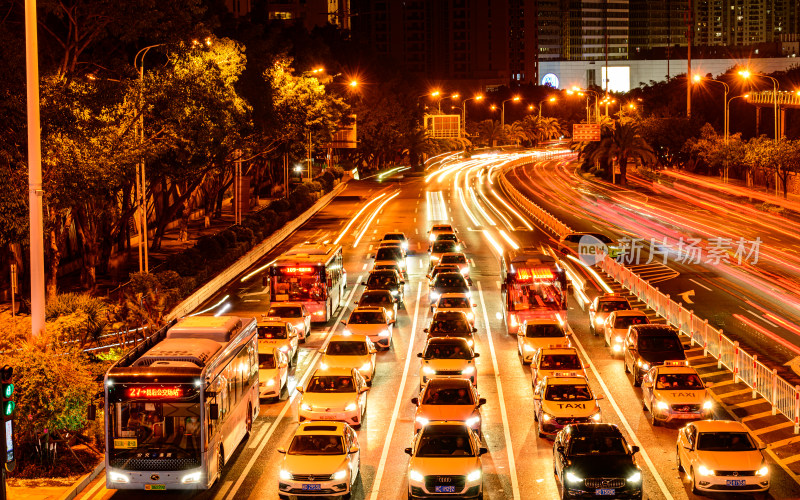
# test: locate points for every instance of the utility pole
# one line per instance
(35, 191)
(689, 33)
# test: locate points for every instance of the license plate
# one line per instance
(736, 482)
(310, 487)
(444, 489)
(686, 415)
(327, 417)
(605, 491)
(155, 487)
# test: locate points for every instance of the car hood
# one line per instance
(446, 364)
(264, 375)
(677, 397)
(570, 409)
(730, 460)
(345, 361)
(602, 465)
(445, 466)
(321, 465)
(545, 342)
(661, 356)
(446, 412)
(465, 310)
(329, 400)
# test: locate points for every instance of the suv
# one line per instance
(595, 460)
(372, 322)
(438, 229)
(386, 280)
(447, 357)
(447, 283)
(451, 324)
(382, 298)
(391, 255)
(601, 307)
(647, 346)
(457, 258)
(456, 302)
(617, 324)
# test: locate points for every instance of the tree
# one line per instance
(417, 144)
(668, 136)
(490, 132)
(624, 143)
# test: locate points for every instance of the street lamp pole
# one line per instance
(35, 191)
(503, 110)
(697, 79)
(551, 99)
(439, 103)
(464, 110)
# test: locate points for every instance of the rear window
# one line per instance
(389, 253)
(544, 331)
(454, 259)
(614, 305)
(560, 362)
(272, 332)
(449, 280)
(285, 312)
(440, 350)
(454, 303)
(659, 343)
(443, 246)
(366, 318)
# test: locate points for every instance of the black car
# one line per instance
(595, 461)
(647, 346)
(447, 283)
(386, 280)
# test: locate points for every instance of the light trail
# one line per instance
(374, 214)
(212, 307)
(355, 217)
(498, 248)
(600, 280)
(250, 275)
(509, 240)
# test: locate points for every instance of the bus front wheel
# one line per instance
(249, 420)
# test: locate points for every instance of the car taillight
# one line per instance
(513, 320)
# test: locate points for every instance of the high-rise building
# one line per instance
(311, 13)
(657, 24)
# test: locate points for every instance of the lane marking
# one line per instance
(223, 490)
(96, 488)
(376, 486)
(512, 468)
(625, 423)
(269, 430)
(364, 268)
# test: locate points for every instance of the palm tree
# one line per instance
(515, 132)
(625, 142)
(538, 129)
(416, 144)
(490, 131)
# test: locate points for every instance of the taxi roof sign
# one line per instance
(560, 346)
(676, 363)
(567, 374)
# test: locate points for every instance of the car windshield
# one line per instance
(659, 344)
(456, 325)
(374, 299)
(343, 348)
(614, 305)
(454, 303)
(623, 322)
(448, 396)
(266, 361)
(389, 267)
(725, 441)
(598, 445)
(449, 280)
(439, 444)
(286, 312)
(446, 351)
(454, 259)
(446, 237)
(366, 318)
(681, 381)
(316, 445)
(389, 253)
(544, 331)
(444, 246)
(272, 332)
(565, 392)
(560, 362)
(331, 383)
(382, 279)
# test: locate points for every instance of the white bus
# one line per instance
(178, 405)
(312, 274)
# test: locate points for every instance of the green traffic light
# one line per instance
(8, 390)
(8, 408)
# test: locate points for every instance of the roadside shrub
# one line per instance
(228, 236)
(327, 180)
(210, 247)
(78, 317)
(279, 206)
(187, 263)
(244, 235)
(337, 171)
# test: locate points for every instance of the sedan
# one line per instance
(350, 351)
(334, 394)
(449, 399)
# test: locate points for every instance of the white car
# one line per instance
(296, 314)
(721, 455)
(401, 237)
(616, 327)
(273, 372)
(322, 457)
(274, 332)
(535, 334)
(457, 259)
(350, 351)
(449, 302)
(372, 322)
(334, 394)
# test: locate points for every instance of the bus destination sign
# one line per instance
(155, 392)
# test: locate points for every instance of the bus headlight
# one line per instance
(194, 477)
(116, 477)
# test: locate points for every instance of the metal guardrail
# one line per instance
(764, 381)
(764, 97)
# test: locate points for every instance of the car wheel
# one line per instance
(636, 381)
(653, 420)
(678, 460)
(249, 420)
(695, 491)
(625, 364)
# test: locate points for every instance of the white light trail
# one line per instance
(509, 240)
(347, 228)
(374, 214)
(212, 307)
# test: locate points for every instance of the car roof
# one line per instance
(375, 292)
(384, 271)
(593, 429)
(348, 338)
(453, 295)
(720, 426)
(611, 297)
(676, 370)
(266, 349)
(389, 243)
(286, 304)
(445, 273)
(321, 427)
(629, 312)
(368, 309)
(332, 371)
(542, 321)
(559, 350)
(446, 383)
(447, 340)
(564, 379)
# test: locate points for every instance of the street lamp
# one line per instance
(746, 74)
(439, 103)
(581, 92)
(478, 97)
(503, 110)
(725, 133)
(550, 99)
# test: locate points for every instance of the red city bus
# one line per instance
(533, 286)
(312, 274)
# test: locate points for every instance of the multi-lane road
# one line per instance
(519, 465)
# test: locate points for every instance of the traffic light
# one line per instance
(8, 406)
(6, 374)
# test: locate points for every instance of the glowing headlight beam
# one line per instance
(509, 240)
(466, 209)
(480, 208)
(355, 217)
(511, 209)
(374, 214)
(605, 286)
(250, 275)
(493, 242)
(212, 307)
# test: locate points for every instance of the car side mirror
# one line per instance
(687, 448)
(634, 450)
(425, 330)
(408, 451)
(300, 390)
(281, 450)
(474, 330)
(213, 411)
(415, 401)
(483, 451)
(476, 355)
(568, 334)
(481, 401)
(560, 449)
(364, 283)
(343, 322)
(419, 354)
(599, 397)
(354, 449)
(537, 397)
(762, 447)
(324, 350)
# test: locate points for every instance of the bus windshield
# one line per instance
(163, 430)
(297, 286)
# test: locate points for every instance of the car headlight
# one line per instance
(434, 258)
(572, 478)
(415, 476)
(285, 475)
(347, 332)
(116, 477)
(595, 416)
(546, 417)
(704, 471)
(390, 314)
(599, 321)
(529, 348)
(635, 478)
(643, 366)
(662, 405)
(470, 342)
(434, 296)
(707, 405)
(404, 245)
(339, 475)
(270, 382)
(427, 370)
(464, 270)
(393, 292)
(367, 367)
(762, 471)
(194, 477)
(305, 407)
(472, 421)
(468, 370)
(474, 475)
(422, 421)
(470, 316)
(284, 348)
(384, 332)
(350, 407)
(432, 237)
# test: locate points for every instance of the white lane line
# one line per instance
(421, 265)
(416, 231)
(376, 486)
(364, 268)
(370, 248)
(96, 487)
(512, 468)
(762, 318)
(269, 430)
(700, 284)
(625, 423)
(223, 489)
(415, 219)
